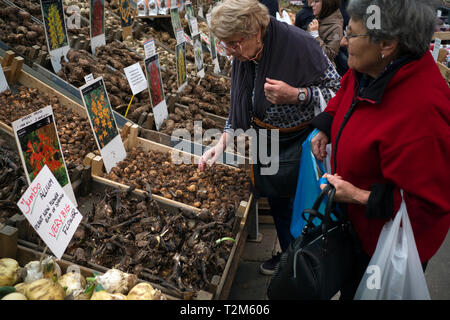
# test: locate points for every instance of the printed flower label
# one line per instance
(55, 31)
(97, 23)
(38, 142)
(156, 89)
(101, 118)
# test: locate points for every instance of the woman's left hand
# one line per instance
(313, 25)
(345, 191)
(279, 92)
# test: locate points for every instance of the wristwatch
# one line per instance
(301, 95)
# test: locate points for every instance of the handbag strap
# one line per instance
(314, 211)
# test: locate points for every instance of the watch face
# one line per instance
(301, 96)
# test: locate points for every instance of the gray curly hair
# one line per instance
(243, 17)
(412, 22)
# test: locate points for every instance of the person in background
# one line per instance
(342, 57)
(344, 12)
(277, 76)
(327, 27)
(389, 126)
(272, 6)
(304, 17)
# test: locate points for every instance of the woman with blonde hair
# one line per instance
(278, 76)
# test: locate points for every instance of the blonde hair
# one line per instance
(243, 17)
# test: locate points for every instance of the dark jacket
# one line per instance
(290, 55)
(304, 17)
(272, 5)
(398, 135)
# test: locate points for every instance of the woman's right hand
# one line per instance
(319, 145)
(210, 156)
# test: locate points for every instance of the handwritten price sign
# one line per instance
(50, 211)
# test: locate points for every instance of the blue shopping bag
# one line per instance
(308, 187)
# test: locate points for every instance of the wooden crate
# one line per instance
(17, 74)
(14, 73)
(441, 60)
(24, 252)
(220, 284)
(27, 252)
(443, 35)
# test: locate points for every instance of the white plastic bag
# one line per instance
(395, 271)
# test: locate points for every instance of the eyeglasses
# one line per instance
(348, 36)
(232, 45)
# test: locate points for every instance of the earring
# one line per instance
(382, 56)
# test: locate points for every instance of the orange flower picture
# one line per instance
(40, 147)
(99, 109)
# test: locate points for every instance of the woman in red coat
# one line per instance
(389, 126)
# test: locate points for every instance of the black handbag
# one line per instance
(319, 262)
(283, 184)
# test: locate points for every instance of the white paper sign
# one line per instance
(38, 144)
(136, 78)
(3, 83)
(194, 26)
(149, 48)
(98, 107)
(51, 213)
(437, 47)
(160, 113)
(180, 35)
(89, 78)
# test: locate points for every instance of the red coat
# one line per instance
(404, 140)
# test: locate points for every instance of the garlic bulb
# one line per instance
(116, 281)
(9, 272)
(73, 283)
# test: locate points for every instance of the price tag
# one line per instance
(136, 78)
(437, 47)
(49, 210)
(3, 83)
(149, 48)
(194, 26)
(180, 35)
(89, 78)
